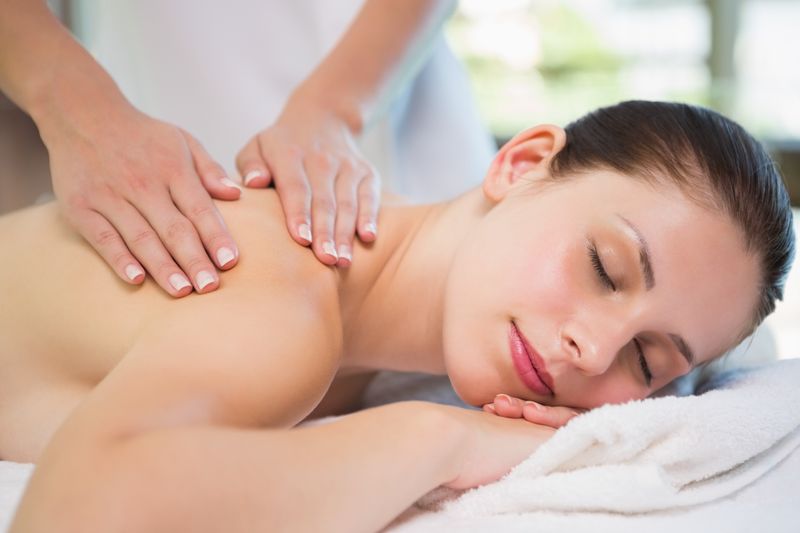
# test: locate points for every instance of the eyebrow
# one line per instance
(650, 282)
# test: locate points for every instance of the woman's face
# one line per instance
(669, 278)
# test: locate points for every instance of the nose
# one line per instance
(593, 345)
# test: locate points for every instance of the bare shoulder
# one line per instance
(260, 351)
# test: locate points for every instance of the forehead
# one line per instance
(706, 282)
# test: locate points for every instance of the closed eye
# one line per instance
(648, 377)
(594, 257)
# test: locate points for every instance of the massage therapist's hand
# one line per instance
(490, 445)
(327, 189)
(548, 415)
(138, 190)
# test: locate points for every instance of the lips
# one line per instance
(528, 364)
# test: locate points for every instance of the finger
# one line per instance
(553, 416)
(180, 238)
(346, 212)
(489, 408)
(251, 165)
(508, 406)
(143, 241)
(195, 204)
(321, 171)
(368, 206)
(294, 190)
(107, 241)
(212, 175)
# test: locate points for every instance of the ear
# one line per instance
(529, 152)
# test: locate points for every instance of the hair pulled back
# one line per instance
(713, 160)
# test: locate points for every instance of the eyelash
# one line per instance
(598, 267)
(648, 377)
(607, 282)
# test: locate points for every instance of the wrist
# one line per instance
(74, 102)
(73, 87)
(444, 426)
(343, 107)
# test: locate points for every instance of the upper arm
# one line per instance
(240, 361)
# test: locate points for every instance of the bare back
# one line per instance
(67, 321)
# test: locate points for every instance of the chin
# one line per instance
(469, 387)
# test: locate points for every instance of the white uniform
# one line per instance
(223, 70)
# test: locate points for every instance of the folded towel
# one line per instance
(652, 454)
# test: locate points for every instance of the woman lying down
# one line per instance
(595, 265)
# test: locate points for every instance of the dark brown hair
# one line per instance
(712, 159)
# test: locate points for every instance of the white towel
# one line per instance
(653, 454)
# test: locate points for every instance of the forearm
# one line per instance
(320, 478)
(384, 46)
(43, 69)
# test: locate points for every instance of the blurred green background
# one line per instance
(534, 61)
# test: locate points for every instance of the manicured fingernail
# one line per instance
(179, 282)
(253, 174)
(369, 227)
(344, 252)
(230, 183)
(133, 272)
(224, 256)
(304, 231)
(329, 248)
(535, 405)
(204, 279)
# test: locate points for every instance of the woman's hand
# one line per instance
(327, 188)
(511, 407)
(491, 445)
(138, 190)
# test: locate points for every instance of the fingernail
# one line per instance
(204, 279)
(133, 272)
(329, 248)
(369, 227)
(224, 256)
(179, 282)
(253, 174)
(304, 231)
(536, 406)
(230, 183)
(503, 398)
(344, 252)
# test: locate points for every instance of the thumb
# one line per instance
(211, 173)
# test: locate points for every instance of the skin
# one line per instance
(140, 190)
(131, 383)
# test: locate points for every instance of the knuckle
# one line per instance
(178, 229)
(324, 203)
(215, 240)
(292, 151)
(196, 263)
(164, 268)
(120, 259)
(202, 210)
(322, 161)
(296, 190)
(346, 205)
(143, 236)
(105, 238)
(138, 184)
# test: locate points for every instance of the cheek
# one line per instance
(554, 274)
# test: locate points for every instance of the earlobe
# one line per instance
(528, 154)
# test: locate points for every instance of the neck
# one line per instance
(392, 297)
